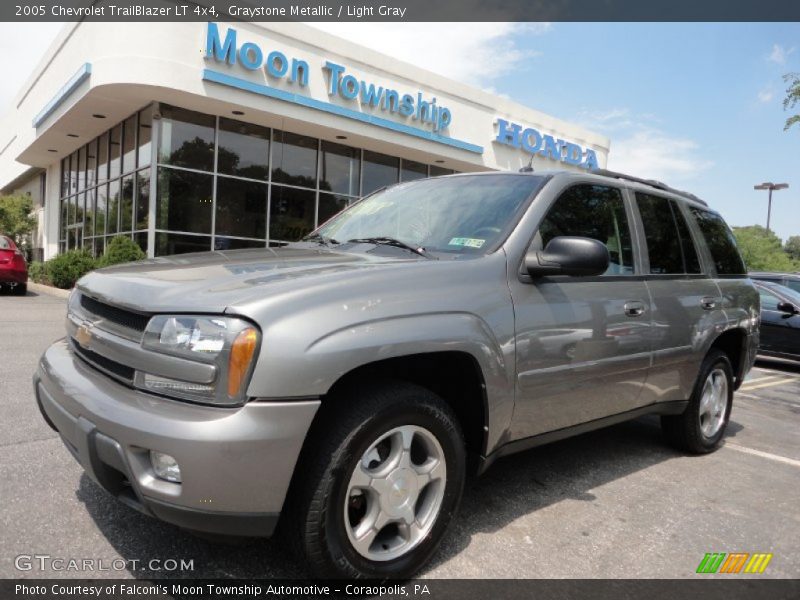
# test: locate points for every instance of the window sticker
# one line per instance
(469, 242)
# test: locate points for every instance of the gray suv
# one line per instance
(341, 389)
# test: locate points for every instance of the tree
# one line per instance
(792, 247)
(792, 98)
(762, 249)
(15, 217)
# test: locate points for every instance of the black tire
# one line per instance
(21, 289)
(314, 523)
(684, 431)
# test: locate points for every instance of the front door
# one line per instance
(582, 343)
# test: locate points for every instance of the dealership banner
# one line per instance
(422, 589)
(398, 10)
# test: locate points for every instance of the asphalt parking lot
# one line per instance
(613, 503)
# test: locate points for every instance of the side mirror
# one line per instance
(567, 255)
(788, 308)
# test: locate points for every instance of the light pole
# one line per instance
(768, 185)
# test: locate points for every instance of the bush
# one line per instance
(37, 271)
(121, 250)
(65, 269)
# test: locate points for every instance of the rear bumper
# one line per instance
(236, 463)
(11, 276)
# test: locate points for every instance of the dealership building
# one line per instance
(200, 136)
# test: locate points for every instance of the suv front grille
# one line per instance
(111, 367)
(124, 318)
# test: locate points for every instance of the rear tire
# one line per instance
(701, 427)
(377, 484)
(21, 289)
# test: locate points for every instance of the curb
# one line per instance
(49, 290)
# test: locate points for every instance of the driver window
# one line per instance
(768, 301)
(593, 211)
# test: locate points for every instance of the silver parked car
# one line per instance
(341, 388)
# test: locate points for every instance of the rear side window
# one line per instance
(721, 242)
(4, 243)
(597, 212)
(669, 243)
(793, 285)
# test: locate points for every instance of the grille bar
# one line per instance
(120, 316)
(106, 365)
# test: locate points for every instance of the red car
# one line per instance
(13, 270)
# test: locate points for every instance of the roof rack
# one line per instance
(651, 182)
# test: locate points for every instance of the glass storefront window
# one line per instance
(112, 224)
(91, 163)
(64, 218)
(126, 204)
(241, 208)
(82, 169)
(412, 170)
(291, 213)
(187, 139)
(100, 214)
(329, 205)
(115, 152)
(145, 135)
(379, 170)
(141, 240)
(129, 145)
(437, 171)
(243, 149)
(184, 200)
(340, 169)
(64, 176)
(102, 159)
(176, 243)
(91, 205)
(228, 243)
(73, 172)
(294, 159)
(142, 198)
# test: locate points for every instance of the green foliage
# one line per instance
(37, 271)
(792, 247)
(121, 249)
(15, 217)
(762, 250)
(792, 98)
(65, 269)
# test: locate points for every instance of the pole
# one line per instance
(769, 207)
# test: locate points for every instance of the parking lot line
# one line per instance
(768, 455)
(757, 386)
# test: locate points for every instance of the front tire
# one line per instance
(378, 484)
(701, 427)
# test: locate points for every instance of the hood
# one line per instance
(212, 281)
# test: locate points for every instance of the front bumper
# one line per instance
(236, 463)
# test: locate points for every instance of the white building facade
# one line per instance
(200, 136)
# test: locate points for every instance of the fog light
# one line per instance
(165, 466)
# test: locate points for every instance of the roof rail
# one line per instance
(651, 182)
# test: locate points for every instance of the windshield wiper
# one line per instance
(390, 241)
(318, 237)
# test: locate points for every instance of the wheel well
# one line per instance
(732, 343)
(456, 377)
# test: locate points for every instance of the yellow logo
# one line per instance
(84, 335)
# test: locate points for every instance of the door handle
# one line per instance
(634, 308)
(708, 302)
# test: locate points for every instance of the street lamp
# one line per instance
(768, 185)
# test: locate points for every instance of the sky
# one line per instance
(697, 105)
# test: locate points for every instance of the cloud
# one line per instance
(34, 39)
(473, 53)
(766, 95)
(779, 54)
(640, 146)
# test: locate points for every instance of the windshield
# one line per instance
(463, 214)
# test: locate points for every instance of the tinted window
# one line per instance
(294, 159)
(379, 170)
(794, 285)
(596, 212)
(243, 149)
(187, 139)
(241, 208)
(129, 145)
(291, 213)
(669, 243)
(768, 301)
(184, 201)
(341, 169)
(721, 242)
(413, 170)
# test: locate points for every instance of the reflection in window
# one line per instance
(341, 169)
(112, 224)
(142, 198)
(81, 169)
(187, 139)
(227, 243)
(596, 212)
(100, 214)
(241, 208)
(294, 159)
(141, 240)
(243, 149)
(330, 205)
(64, 177)
(91, 163)
(768, 301)
(176, 243)
(102, 159)
(126, 204)
(720, 242)
(73, 172)
(184, 200)
(379, 170)
(437, 171)
(115, 152)
(91, 206)
(145, 135)
(291, 213)
(661, 234)
(413, 170)
(129, 145)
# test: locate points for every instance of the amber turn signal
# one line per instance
(244, 346)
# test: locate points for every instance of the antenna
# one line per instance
(528, 168)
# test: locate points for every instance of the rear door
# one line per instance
(685, 300)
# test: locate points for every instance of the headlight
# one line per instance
(227, 342)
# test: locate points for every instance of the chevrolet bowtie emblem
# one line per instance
(84, 335)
